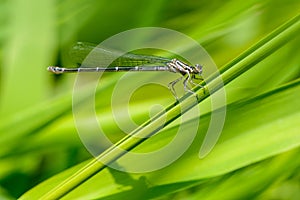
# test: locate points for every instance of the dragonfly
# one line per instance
(130, 62)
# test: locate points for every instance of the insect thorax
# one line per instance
(179, 66)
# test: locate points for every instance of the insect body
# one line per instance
(134, 62)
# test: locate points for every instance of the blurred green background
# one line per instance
(38, 138)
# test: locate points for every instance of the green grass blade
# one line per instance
(268, 172)
(259, 44)
(254, 143)
(174, 112)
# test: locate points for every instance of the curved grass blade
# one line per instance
(237, 133)
(151, 127)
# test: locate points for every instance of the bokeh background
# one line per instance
(38, 138)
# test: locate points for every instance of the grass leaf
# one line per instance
(248, 136)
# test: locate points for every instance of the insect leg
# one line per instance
(185, 84)
(171, 87)
(196, 84)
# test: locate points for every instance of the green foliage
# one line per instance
(256, 155)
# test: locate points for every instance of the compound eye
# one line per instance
(199, 68)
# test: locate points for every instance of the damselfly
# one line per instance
(131, 62)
